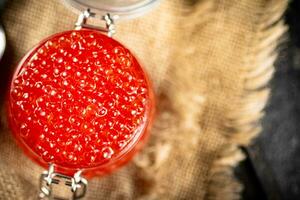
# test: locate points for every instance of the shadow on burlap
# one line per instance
(209, 62)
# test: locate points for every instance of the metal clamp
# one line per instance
(70, 188)
(109, 22)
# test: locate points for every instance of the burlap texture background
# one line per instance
(209, 62)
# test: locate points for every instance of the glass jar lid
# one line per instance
(2, 42)
(124, 9)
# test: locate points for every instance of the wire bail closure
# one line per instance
(109, 22)
(75, 186)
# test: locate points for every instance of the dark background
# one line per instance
(272, 168)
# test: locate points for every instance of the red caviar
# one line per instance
(80, 100)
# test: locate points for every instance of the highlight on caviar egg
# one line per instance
(79, 100)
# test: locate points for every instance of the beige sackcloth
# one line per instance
(209, 61)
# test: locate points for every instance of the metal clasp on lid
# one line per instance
(109, 21)
(49, 181)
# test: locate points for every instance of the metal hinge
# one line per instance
(110, 28)
(58, 186)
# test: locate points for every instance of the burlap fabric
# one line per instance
(209, 62)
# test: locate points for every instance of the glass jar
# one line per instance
(79, 101)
